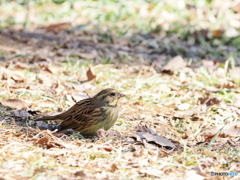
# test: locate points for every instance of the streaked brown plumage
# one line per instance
(91, 114)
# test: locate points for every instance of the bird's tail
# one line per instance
(45, 118)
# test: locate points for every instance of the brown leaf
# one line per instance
(55, 28)
(230, 130)
(14, 103)
(217, 33)
(48, 141)
(80, 96)
(17, 76)
(21, 66)
(228, 85)
(80, 173)
(90, 75)
(236, 8)
(86, 55)
(123, 42)
(145, 135)
(210, 65)
(53, 69)
(209, 101)
(188, 113)
(174, 64)
(114, 167)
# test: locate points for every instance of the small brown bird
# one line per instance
(91, 114)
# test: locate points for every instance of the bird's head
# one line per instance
(109, 96)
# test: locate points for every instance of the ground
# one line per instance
(180, 116)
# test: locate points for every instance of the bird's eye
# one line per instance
(112, 94)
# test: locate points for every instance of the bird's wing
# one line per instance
(64, 115)
(82, 117)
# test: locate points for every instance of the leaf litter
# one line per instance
(187, 105)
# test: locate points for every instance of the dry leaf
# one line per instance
(145, 135)
(86, 55)
(230, 130)
(70, 99)
(17, 76)
(14, 103)
(228, 85)
(210, 65)
(90, 75)
(217, 33)
(190, 112)
(21, 66)
(123, 42)
(151, 172)
(55, 28)
(209, 101)
(114, 167)
(49, 141)
(174, 64)
(80, 96)
(53, 69)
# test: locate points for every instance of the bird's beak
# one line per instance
(120, 95)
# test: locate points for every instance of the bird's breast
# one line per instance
(110, 118)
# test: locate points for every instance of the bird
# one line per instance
(90, 115)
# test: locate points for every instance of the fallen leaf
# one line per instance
(17, 76)
(228, 84)
(14, 103)
(147, 136)
(80, 96)
(21, 66)
(53, 69)
(55, 28)
(217, 33)
(114, 167)
(70, 99)
(209, 101)
(123, 42)
(174, 64)
(151, 172)
(86, 55)
(230, 130)
(80, 173)
(190, 112)
(48, 141)
(210, 65)
(90, 75)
